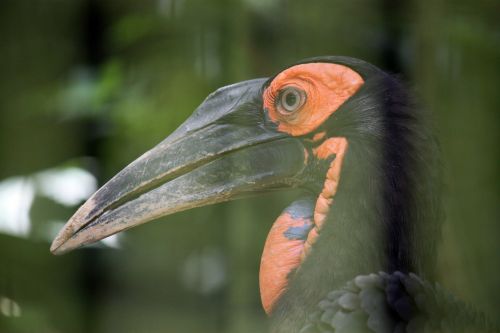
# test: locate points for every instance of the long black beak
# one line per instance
(225, 150)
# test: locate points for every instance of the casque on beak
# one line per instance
(225, 150)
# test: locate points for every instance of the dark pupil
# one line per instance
(290, 99)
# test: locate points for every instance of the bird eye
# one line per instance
(291, 99)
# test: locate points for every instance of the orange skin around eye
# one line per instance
(326, 86)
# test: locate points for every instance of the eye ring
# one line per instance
(290, 99)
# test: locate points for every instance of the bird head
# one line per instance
(339, 128)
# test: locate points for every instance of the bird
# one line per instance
(356, 250)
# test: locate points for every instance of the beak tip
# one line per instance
(56, 247)
(60, 244)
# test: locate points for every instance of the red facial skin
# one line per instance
(326, 87)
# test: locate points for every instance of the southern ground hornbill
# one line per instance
(340, 257)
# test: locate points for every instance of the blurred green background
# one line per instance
(88, 85)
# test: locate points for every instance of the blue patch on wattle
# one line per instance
(299, 232)
(301, 208)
